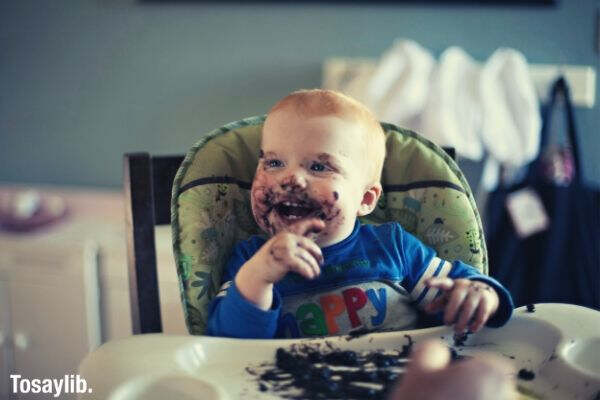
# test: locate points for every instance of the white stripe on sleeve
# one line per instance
(432, 293)
(420, 286)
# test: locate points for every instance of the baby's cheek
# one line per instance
(258, 198)
(260, 191)
(261, 198)
(326, 194)
(330, 204)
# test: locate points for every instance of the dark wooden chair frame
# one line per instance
(147, 185)
(148, 182)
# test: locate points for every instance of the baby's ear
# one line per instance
(370, 198)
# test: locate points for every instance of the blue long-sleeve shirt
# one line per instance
(373, 279)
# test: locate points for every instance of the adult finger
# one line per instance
(312, 248)
(483, 377)
(495, 377)
(429, 356)
(429, 359)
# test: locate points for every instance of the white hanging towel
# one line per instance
(398, 88)
(511, 115)
(453, 112)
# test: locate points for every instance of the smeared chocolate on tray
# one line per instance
(311, 371)
(323, 371)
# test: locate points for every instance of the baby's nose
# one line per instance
(293, 182)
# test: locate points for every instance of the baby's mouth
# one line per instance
(291, 210)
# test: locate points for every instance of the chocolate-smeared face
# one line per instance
(278, 205)
(309, 167)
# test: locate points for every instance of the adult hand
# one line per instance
(430, 376)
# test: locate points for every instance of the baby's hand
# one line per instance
(465, 302)
(293, 250)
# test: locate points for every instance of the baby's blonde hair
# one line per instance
(318, 102)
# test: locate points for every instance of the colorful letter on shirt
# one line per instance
(379, 303)
(333, 305)
(311, 321)
(355, 300)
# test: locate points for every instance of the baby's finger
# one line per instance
(437, 304)
(309, 260)
(444, 284)
(307, 227)
(303, 263)
(312, 248)
(301, 267)
(481, 316)
(455, 301)
(467, 309)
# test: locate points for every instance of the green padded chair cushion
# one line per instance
(423, 189)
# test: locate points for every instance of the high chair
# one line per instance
(423, 189)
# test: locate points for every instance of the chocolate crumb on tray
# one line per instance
(460, 339)
(530, 308)
(407, 348)
(358, 333)
(526, 375)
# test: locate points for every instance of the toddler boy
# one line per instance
(321, 272)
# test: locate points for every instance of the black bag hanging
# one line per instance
(560, 261)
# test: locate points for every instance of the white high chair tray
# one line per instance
(559, 343)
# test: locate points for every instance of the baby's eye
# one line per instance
(273, 163)
(317, 167)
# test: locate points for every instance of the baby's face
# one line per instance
(310, 167)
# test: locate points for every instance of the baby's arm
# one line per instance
(287, 251)
(465, 302)
(245, 306)
(466, 293)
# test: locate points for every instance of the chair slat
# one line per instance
(141, 249)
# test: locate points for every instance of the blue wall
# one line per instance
(83, 81)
